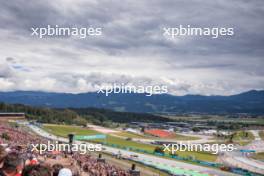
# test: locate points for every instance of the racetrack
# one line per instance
(172, 166)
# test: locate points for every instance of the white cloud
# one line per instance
(132, 48)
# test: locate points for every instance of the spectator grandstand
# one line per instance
(15, 146)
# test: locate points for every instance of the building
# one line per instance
(12, 115)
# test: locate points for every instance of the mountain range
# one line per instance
(251, 102)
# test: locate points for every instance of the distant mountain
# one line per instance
(248, 102)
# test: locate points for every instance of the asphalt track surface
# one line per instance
(241, 159)
(163, 163)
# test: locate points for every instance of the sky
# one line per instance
(132, 48)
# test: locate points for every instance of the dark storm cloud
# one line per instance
(134, 30)
(128, 24)
(19, 16)
(11, 59)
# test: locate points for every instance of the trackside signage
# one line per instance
(98, 136)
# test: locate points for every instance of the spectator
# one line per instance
(13, 165)
(65, 172)
(19, 142)
(2, 155)
(36, 170)
(56, 169)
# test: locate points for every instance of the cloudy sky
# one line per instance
(132, 48)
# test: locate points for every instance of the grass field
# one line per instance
(240, 137)
(131, 135)
(183, 137)
(199, 155)
(243, 135)
(243, 138)
(64, 130)
(259, 156)
(261, 134)
(146, 136)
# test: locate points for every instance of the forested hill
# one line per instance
(79, 116)
(248, 102)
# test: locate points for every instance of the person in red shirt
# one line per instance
(13, 165)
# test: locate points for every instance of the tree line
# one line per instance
(79, 116)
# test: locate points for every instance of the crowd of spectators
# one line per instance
(17, 158)
(97, 166)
